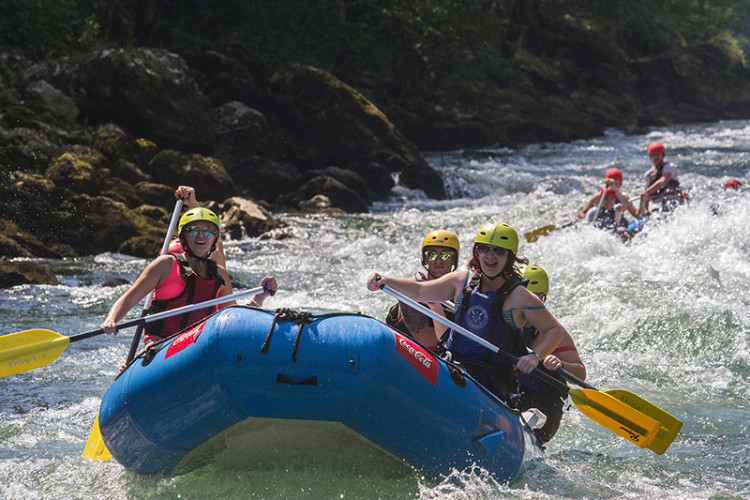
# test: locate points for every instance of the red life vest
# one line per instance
(195, 290)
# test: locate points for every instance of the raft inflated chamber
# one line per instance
(244, 363)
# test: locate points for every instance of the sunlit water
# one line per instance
(665, 316)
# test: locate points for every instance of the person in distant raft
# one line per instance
(440, 250)
(537, 393)
(491, 302)
(734, 184)
(183, 278)
(610, 214)
(662, 184)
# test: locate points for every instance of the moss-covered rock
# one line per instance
(24, 272)
(208, 174)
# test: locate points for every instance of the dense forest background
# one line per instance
(430, 64)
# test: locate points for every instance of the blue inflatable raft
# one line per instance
(244, 364)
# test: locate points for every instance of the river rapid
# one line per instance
(665, 316)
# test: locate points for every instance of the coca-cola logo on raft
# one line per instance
(418, 357)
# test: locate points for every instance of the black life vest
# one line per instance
(196, 290)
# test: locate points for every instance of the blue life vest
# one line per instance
(481, 314)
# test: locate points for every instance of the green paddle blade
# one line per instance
(29, 349)
(534, 235)
(631, 424)
(669, 425)
(95, 448)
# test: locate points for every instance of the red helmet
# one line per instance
(733, 183)
(614, 174)
(656, 147)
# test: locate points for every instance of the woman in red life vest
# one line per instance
(179, 279)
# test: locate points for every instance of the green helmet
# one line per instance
(538, 280)
(498, 234)
(198, 214)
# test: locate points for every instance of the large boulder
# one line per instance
(326, 122)
(43, 97)
(79, 168)
(241, 217)
(206, 174)
(14, 273)
(99, 224)
(337, 192)
(148, 91)
(264, 179)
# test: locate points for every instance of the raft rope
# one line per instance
(298, 318)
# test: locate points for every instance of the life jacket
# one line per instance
(395, 319)
(610, 219)
(672, 187)
(481, 314)
(195, 289)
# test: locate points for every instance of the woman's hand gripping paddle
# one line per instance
(622, 412)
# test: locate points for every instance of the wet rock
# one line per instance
(160, 195)
(99, 224)
(240, 131)
(326, 122)
(148, 91)
(119, 145)
(79, 169)
(241, 218)
(263, 178)
(24, 272)
(146, 247)
(42, 96)
(206, 174)
(113, 282)
(338, 193)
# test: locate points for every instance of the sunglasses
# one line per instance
(445, 255)
(485, 249)
(196, 230)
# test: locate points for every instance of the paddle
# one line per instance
(147, 304)
(624, 413)
(95, 448)
(532, 236)
(30, 349)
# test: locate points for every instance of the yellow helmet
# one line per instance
(196, 214)
(498, 234)
(441, 238)
(538, 280)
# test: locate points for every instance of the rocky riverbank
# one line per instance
(93, 142)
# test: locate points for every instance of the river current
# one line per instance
(665, 316)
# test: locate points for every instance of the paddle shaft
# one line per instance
(171, 312)
(466, 333)
(170, 231)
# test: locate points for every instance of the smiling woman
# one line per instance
(491, 304)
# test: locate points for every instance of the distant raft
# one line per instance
(245, 368)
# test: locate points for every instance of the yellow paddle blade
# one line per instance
(616, 416)
(534, 235)
(669, 425)
(95, 448)
(29, 349)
